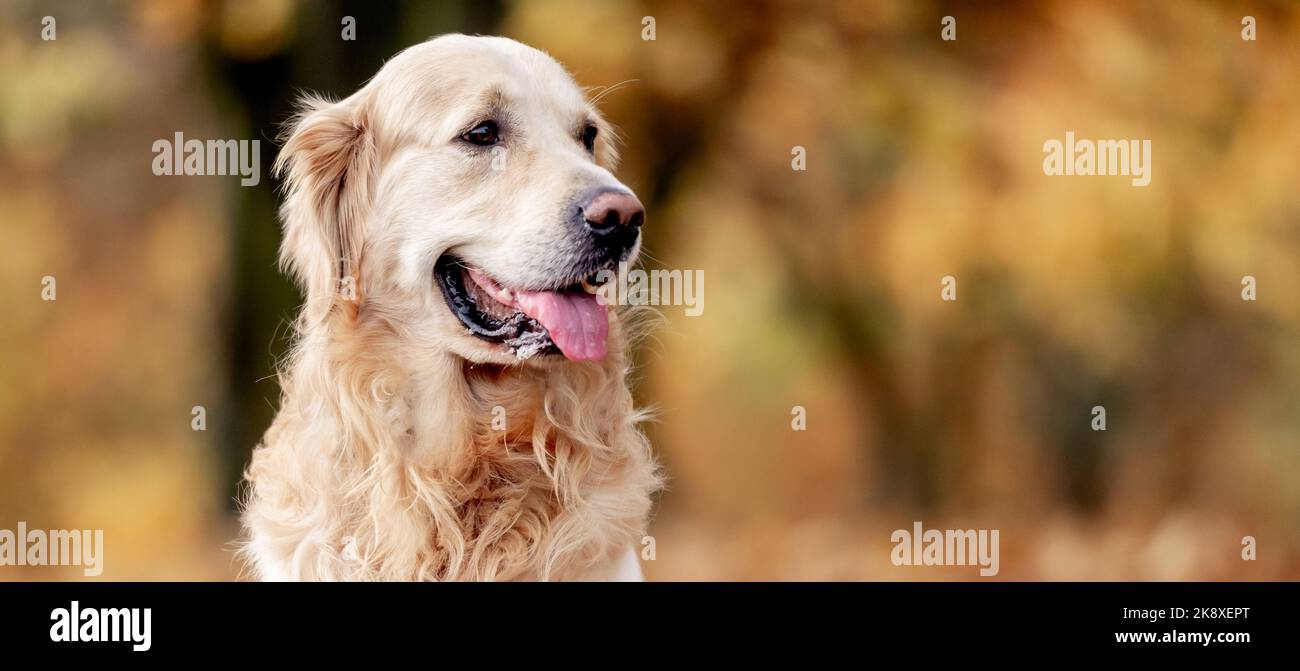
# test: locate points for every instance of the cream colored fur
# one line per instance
(383, 463)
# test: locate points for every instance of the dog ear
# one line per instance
(327, 164)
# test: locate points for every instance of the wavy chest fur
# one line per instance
(466, 475)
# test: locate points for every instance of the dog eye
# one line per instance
(589, 138)
(483, 134)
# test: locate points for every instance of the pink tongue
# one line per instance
(577, 322)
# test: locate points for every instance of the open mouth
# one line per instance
(568, 320)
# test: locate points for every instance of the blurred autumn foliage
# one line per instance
(924, 160)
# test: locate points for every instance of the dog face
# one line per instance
(465, 196)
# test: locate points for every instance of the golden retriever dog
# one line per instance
(455, 404)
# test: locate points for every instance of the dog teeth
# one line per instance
(493, 289)
(590, 288)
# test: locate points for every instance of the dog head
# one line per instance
(464, 195)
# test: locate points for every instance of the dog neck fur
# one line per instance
(382, 469)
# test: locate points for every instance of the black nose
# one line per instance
(608, 211)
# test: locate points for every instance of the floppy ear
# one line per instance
(327, 163)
